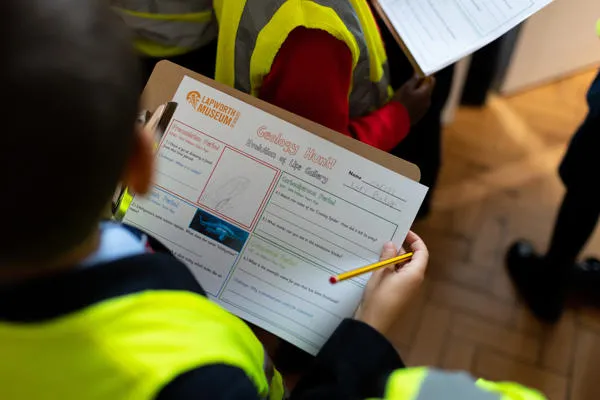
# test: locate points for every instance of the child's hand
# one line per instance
(390, 290)
(415, 95)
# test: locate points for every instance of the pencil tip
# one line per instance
(333, 280)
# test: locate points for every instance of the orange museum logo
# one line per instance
(217, 110)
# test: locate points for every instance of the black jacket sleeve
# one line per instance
(354, 364)
(215, 382)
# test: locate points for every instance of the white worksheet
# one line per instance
(263, 213)
(441, 32)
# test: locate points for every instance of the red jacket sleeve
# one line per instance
(311, 77)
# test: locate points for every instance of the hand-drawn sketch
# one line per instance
(237, 187)
(229, 191)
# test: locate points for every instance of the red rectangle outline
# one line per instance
(262, 204)
(226, 146)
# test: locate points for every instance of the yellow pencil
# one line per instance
(370, 268)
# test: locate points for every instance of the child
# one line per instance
(86, 312)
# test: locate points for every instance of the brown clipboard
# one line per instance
(167, 76)
(401, 43)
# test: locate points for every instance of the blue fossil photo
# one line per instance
(219, 230)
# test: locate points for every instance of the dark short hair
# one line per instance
(69, 85)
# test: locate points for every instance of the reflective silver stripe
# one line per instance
(268, 367)
(165, 32)
(253, 20)
(164, 6)
(452, 386)
(171, 33)
(365, 96)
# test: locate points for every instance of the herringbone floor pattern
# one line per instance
(499, 183)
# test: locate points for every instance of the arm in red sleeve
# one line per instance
(311, 77)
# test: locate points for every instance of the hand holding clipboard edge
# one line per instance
(157, 125)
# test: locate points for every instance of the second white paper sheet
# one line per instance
(441, 32)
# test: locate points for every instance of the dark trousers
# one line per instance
(580, 209)
(575, 223)
(423, 146)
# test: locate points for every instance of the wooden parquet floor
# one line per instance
(499, 183)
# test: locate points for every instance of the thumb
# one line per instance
(426, 85)
(389, 251)
(413, 83)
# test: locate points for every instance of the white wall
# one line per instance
(557, 41)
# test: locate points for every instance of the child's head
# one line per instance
(69, 85)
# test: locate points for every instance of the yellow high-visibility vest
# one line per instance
(252, 32)
(132, 346)
(166, 28)
(127, 347)
(432, 384)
